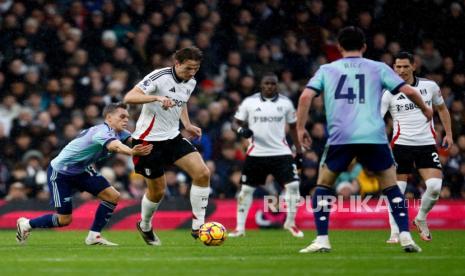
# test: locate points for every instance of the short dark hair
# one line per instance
(112, 108)
(351, 38)
(405, 55)
(188, 53)
(269, 75)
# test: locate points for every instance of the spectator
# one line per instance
(16, 192)
(264, 63)
(430, 56)
(136, 185)
(9, 110)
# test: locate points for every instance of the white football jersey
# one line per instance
(155, 123)
(267, 119)
(410, 125)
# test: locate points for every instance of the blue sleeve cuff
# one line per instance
(318, 91)
(396, 90)
(125, 141)
(108, 141)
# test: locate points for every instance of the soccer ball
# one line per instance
(212, 233)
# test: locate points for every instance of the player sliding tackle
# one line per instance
(158, 125)
(413, 143)
(352, 89)
(263, 117)
(72, 169)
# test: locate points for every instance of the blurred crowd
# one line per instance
(62, 61)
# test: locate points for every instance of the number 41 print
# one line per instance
(350, 96)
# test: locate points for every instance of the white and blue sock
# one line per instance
(394, 229)
(397, 206)
(45, 221)
(321, 208)
(102, 216)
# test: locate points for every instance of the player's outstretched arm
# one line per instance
(305, 101)
(138, 150)
(445, 120)
(416, 98)
(137, 96)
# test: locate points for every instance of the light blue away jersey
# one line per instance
(353, 88)
(87, 148)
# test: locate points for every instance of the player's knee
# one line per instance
(159, 196)
(202, 176)
(65, 220)
(110, 194)
(155, 195)
(115, 197)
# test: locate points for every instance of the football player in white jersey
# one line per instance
(262, 118)
(413, 142)
(158, 125)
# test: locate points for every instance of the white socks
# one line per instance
(323, 239)
(292, 197)
(199, 201)
(244, 201)
(405, 238)
(430, 196)
(245, 198)
(93, 235)
(394, 228)
(148, 208)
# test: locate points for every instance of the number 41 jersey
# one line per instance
(352, 89)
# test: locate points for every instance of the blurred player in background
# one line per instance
(414, 140)
(72, 169)
(352, 89)
(158, 125)
(262, 118)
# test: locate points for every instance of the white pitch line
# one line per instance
(236, 258)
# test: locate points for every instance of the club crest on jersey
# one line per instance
(172, 90)
(148, 171)
(147, 83)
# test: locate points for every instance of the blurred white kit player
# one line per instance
(263, 118)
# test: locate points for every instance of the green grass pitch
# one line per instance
(272, 252)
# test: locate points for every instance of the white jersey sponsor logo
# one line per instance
(267, 118)
(156, 123)
(410, 125)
